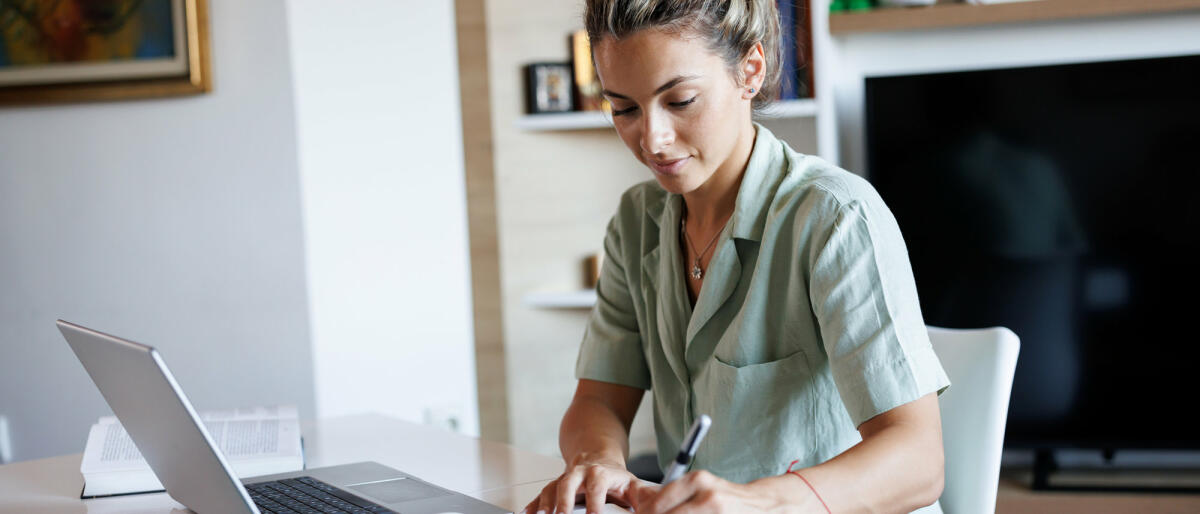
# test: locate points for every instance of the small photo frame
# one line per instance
(549, 87)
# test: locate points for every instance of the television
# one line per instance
(1062, 202)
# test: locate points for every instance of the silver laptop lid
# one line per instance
(139, 388)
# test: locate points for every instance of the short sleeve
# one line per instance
(612, 345)
(865, 299)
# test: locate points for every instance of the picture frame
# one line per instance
(549, 87)
(79, 51)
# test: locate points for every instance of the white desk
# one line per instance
(493, 472)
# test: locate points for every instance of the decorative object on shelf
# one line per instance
(548, 87)
(906, 3)
(587, 85)
(78, 50)
(856, 5)
(591, 270)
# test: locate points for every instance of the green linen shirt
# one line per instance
(806, 326)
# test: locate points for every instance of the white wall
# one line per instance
(379, 128)
(174, 222)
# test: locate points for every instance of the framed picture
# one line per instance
(82, 50)
(549, 87)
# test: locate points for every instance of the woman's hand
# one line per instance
(598, 481)
(704, 492)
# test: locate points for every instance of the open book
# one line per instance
(258, 441)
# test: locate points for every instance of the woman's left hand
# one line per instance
(701, 492)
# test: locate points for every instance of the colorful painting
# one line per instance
(75, 42)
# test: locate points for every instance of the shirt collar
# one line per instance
(759, 183)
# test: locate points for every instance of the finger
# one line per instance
(531, 508)
(546, 499)
(596, 492)
(619, 500)
(703, 502)
(621, 494)
(636, 489)
(645, 496)
(597, 483)
(568, 487)
(677, 492)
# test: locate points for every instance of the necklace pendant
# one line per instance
(697, 272)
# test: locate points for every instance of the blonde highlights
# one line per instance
(729, 27)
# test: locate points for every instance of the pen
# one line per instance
(688, 449)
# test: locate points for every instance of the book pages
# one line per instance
(254, 441)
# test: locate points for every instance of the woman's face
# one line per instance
(675, 105)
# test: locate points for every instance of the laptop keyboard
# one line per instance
(307, 495)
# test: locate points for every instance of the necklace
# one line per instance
(697, 272)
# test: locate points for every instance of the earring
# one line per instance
(751, 90)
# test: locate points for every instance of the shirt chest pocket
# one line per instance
(762, 415)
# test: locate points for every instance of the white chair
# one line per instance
(980, 363)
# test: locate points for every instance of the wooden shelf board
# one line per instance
(890, 19)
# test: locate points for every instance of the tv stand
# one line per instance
(1049, 475)
(1043, 465)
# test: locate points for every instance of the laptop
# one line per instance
(143, 394)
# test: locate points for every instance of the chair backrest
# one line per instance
(980, 363)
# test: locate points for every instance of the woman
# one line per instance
(765, 288)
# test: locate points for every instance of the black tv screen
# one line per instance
(1062, 202)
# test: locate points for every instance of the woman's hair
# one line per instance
(730, 27)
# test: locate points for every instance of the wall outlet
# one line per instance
(448, 417)
(5, 441)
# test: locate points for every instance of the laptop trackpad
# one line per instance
(398, 490)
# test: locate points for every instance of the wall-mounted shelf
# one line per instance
(890, 19)
(583, 299)
(803, 108)
(590, 120)
(580, 120)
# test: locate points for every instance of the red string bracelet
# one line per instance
(809, 484)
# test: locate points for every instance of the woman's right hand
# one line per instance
(599, 482)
